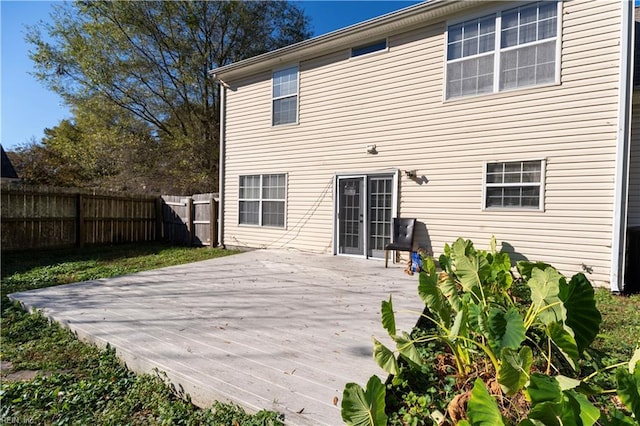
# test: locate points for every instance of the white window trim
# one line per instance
(542, 185)
(260, 201)
(297, 95)
(496, 52)
(366, 55)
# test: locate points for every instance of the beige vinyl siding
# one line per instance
(634, 167)
(395, 100)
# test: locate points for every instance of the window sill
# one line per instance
(277, 126)
(506, 92)
(249, 225)
(512, 210)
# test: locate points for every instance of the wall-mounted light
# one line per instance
(371, 149)
(411, 173)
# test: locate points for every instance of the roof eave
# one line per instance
(395, 22)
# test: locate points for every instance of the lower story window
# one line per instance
(514, 184)
(262, 200)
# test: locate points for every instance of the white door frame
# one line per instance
(394, 173)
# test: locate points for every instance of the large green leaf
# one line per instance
(564, 341)
(582, 314)
(449, 289)
(543, 388)
(478, 319)
(573, 409)
(514, 370)
(471, 272)
(364, 407)
(635, 359)
(500, 272)
(506, 329)
(445, 260)
(502, 281)
(482, 408)
(567, 383)
(460, 324)
(429, 268)
(496, 327)
(407, 349)
(388, 317)
(461, 248)
(547, 401)
(629, 388)
(385, 358)
(501, 261)
(551, 406)
(525, 268)
(545, 290)
(547, 413)
(580, 407)
(431, 294)
(618, 418)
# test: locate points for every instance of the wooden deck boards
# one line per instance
(274, 330)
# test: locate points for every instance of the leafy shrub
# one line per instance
(517, 361)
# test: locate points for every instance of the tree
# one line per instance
(151, 59)
(99, 148)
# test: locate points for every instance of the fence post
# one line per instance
(80, 225)
(189, 221)
(213, 221)
(159, 219)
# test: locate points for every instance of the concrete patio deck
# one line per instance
(275, 330)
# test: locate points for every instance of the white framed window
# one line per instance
(285, 96)
(262, 200)
(514, 185)
(376, 46)
(509, 49)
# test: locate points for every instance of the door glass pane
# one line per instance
(380, 211)
(350, 216)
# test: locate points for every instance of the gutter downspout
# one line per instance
(221, 164)
(620, 199)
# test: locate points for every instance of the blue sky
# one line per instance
(27, 107)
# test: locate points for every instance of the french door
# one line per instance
(365, 205)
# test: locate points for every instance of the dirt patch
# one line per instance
(8, 375)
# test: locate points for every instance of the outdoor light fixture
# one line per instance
(371, 149)
(411, 173)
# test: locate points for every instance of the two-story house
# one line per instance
(477, 118)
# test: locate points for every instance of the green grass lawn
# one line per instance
(620, 329)
(77, 383)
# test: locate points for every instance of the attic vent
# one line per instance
(369, 48)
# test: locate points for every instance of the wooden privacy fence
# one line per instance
(53, 217)
(191, 220)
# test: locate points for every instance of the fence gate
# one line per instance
(190, 220)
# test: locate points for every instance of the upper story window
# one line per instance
(376, 46)
(285, 96)
(514, 184)
(505, 50)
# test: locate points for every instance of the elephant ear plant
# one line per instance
(503, 349)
